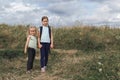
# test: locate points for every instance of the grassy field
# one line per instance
(80, 53)
(65, 65)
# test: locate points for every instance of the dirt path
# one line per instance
(45, 76)
(68, 59)
(61, 51)
(72, 51)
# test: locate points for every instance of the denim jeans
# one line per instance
(44, 51)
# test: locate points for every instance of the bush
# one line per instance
(10, 54)
(87, 43)
(86, 39)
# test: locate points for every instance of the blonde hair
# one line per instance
(28, 31)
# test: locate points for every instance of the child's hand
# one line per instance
(39, 46)
(25, 51)
(51, 46)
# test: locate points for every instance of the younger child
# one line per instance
(30, 47)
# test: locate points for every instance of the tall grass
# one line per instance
(82, 38)
(87, 38)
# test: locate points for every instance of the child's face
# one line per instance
(32, 31)
(45, 22)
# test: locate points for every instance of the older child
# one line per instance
(45, 42)
(30, 47)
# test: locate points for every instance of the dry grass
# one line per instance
(61, 51)
(62, 66)
(16, 70)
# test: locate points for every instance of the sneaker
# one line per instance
(43, 69)
(28, 72)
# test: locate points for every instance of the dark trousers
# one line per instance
(31, 57)
(44, 50)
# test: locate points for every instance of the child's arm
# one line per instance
(51, 45)
(26, 45)
(39, 45)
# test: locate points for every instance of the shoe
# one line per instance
(43, 69)
(28, 72)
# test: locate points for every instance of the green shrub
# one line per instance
(10, 54)
(87, 43)
(77, 38)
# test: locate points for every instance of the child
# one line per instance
(30, 47)
(45, 42)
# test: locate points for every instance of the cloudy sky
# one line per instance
(60, 12)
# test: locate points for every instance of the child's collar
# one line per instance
(45, 26)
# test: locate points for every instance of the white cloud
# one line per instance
(18, 7)
(118, 16)
(60, 12)
(104, 8)
(105, 13)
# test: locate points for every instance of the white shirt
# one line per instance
(45, 35)
(32, 42)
